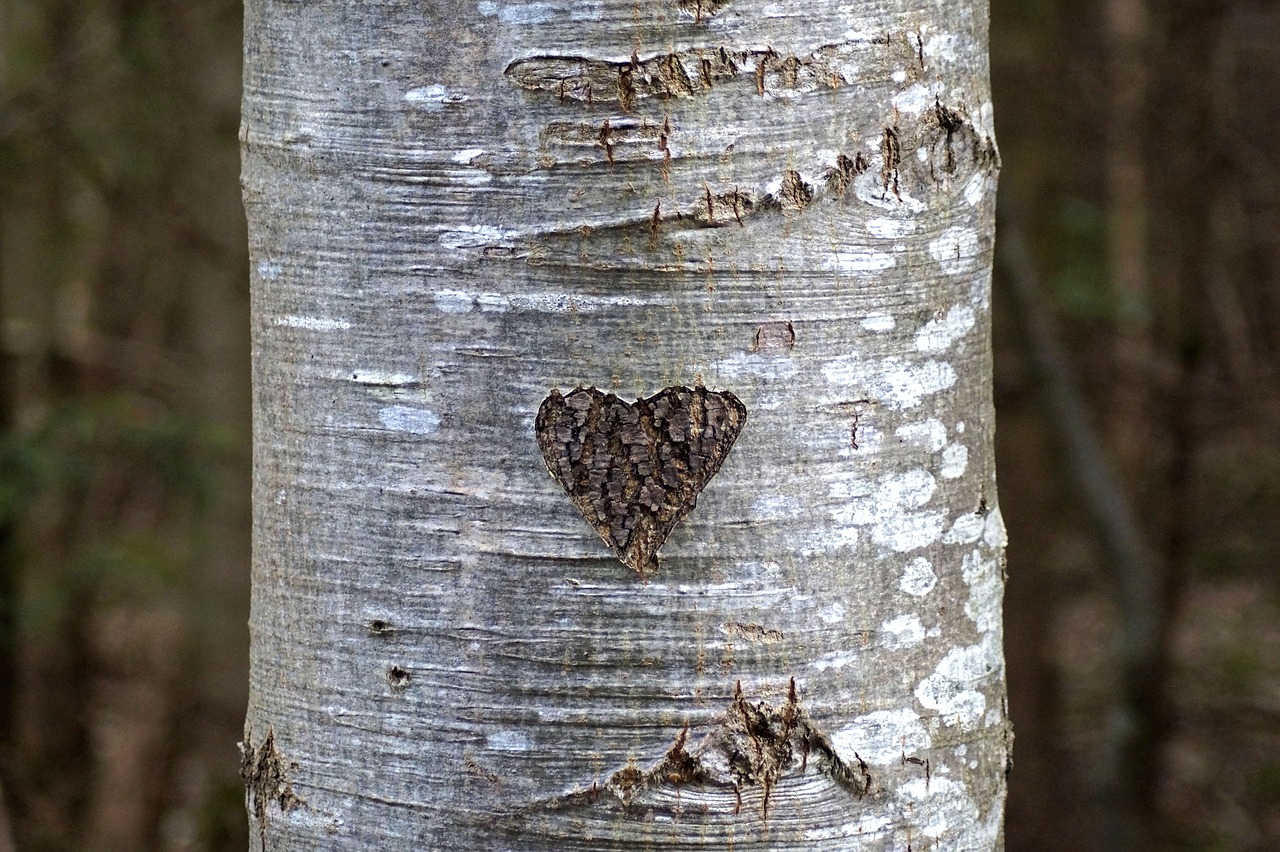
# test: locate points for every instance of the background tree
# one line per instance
(455, 209)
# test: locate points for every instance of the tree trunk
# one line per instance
(780, 215)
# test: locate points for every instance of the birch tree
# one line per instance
(721, 268)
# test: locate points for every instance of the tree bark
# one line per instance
(457, 209)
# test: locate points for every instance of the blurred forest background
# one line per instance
(1137, 333)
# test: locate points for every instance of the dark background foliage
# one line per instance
(1138, 325)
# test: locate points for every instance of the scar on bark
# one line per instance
(265, 781)
(795, 193)
(605, 142)
(958, 127)
(853, 409)
(844, 171)
(398, 677)
(773, 338)
(635, 469)
(753, 744)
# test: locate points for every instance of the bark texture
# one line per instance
(458, 209)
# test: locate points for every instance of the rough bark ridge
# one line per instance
(781, 208)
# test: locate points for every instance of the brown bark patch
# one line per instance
(265, 780)
(795, 194)
(635, 469)
(754, 744)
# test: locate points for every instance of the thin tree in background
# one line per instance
(758, 237)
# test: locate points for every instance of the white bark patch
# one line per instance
(905, 385)
(829, 539)
(463, 301)
(907, 490)
(955, 458)
(937, 335)
(859, 261)
(906, 631)
(741, 364)
(909, 531)
(928, 434)
(955, 819)
(976, 189)
(986, 120)
(466, 155)
(454, 301)
(521, 14)
(776, 506)
(966, 529)
(869, 187)
(890, 229)
(879, 322)
(898, 384)
(887, 510)
(844, 486)
(882, 737)
(269, 271)
(956, 250)
(986, 589)
(918, 578)
(403, 418)
(833, 613)
(507, 741)
(835, 660)
(994, 534)
(951, 691)
(474, 236)
(914, 99)
(377, 378)
(434, 97)
(871, 825)
(941, 46)
(312, 323)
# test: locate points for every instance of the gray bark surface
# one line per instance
(456, 209)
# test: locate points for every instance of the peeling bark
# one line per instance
(457, 209)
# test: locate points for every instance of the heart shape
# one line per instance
(634, 469)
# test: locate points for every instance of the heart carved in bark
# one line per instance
(634, 469)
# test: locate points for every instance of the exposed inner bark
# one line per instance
(634, 470)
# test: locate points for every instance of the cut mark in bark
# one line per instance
(891, 154)
(753, 744)
(854, 410)
(725, 208)
(682, 74)
(753, 632)
(634, 469)
(265, 781)
(701, 8)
